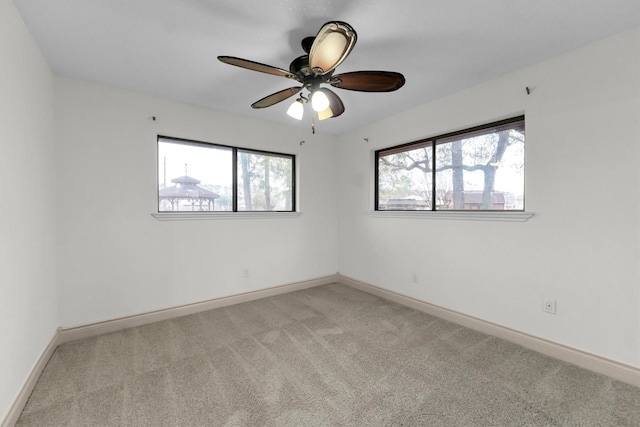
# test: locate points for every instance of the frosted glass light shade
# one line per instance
(296, 110)
(335, 108)
(319, 101)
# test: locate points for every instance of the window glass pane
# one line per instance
(265, 182)
(482, 171)
(194, 177)
(405, 179)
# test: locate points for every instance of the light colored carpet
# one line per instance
(326, 356)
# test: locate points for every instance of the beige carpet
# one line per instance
(326, 356)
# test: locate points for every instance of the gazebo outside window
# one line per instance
(186, 195)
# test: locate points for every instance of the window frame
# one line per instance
(234, 212)
(433, 142)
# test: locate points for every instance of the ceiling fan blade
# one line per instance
(274, 98)
(332, 44)
(256, 66)
(368, 81)
(336, 107)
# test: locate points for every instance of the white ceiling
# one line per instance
(168, 48)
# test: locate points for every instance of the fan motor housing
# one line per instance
(300, 66)
(305, 75)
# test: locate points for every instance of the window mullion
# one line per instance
(234, 180)
(433, 175)
(376, 179)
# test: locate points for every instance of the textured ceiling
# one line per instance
(168, 48)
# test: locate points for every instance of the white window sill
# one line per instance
(189, 216)
(510, 216)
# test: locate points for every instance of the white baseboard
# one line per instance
(613, 369)
(63, 334)
(601, 365)
(11, 418)
(98, 328)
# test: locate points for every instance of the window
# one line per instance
(201, 177)
(475, 169)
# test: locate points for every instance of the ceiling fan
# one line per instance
(324, 52)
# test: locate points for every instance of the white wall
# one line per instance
(115, 259)
(581, 247)
(28, 316)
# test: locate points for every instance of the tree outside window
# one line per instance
(476, 169)
(196, 176)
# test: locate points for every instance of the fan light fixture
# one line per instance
(326, 103)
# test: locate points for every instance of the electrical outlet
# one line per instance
(415, 278)
(549, 306)
(245, 272)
